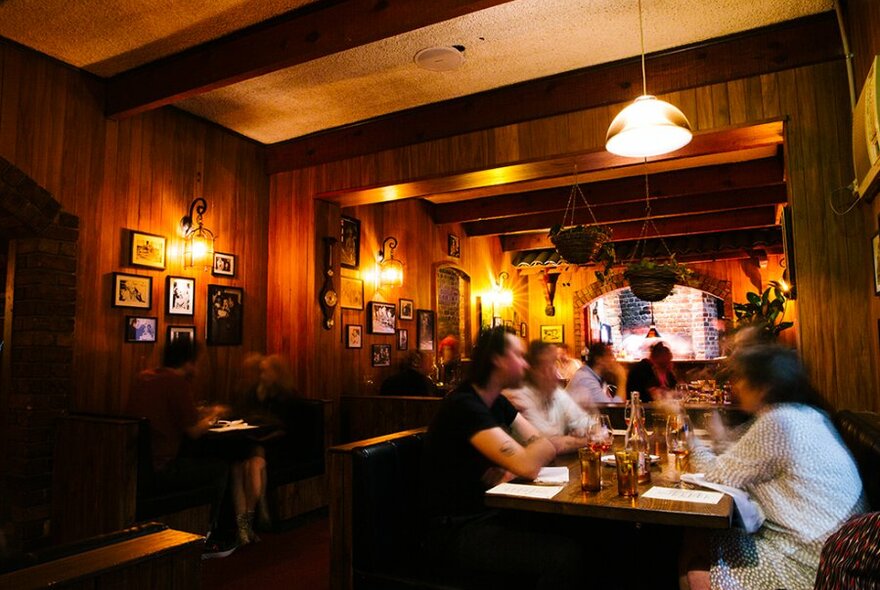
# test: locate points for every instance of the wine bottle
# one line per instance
(637, 438)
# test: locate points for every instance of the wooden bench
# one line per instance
(366, 416)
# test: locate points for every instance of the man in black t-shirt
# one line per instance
(470, 448)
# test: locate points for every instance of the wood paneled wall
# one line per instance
(836, 330)
(140, 174)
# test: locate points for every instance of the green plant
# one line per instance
(765, 311)
(682, 272)
(583, 244)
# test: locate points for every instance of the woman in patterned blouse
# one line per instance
(792, 463)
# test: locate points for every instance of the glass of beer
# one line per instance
(591, 469)
(627, 472)
(678, 427)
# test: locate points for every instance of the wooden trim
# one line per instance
(297, 37)
(756, 52)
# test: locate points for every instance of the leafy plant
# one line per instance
(765, 311)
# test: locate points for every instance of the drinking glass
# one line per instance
(627, 473)
(591, 469)
(678, 426)
(601, 436)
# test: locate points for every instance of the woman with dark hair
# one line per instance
(653, 375)
(794, 466)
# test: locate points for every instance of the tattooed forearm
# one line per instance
(532, 439)
(508, 449)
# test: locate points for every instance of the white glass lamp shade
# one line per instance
(648, 127)
(391, 273)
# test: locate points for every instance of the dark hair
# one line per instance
(778, 372)
(490, 343)
(536, 349)
(658, 348)
(596, 351)
(179, 352)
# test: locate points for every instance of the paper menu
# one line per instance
(696, 496)
(541, 492)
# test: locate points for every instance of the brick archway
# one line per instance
(37, 354)
(717, 287)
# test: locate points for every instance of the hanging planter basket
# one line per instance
(651, 284)
(580, 244)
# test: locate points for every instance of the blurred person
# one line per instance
(450, 361)
(566, 365)
(410, 379)
(467, 450)
(654, 376)
(792, 463)
(589, 386)
(546, 405)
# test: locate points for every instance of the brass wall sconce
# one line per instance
(390, 268)
(198, 240)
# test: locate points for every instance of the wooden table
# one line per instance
(608, 505)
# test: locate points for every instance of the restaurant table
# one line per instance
(607, 504)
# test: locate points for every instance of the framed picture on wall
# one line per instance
(354, 336)
(187, 333)
(349, 242)
(381, 317)
(141, 329)
(453, 244)
(351, 293)
(225, 315)
(381, 355)
(875, 249)
(553, 334)
(497, 321)
(132, 291)
(402, 339)
(406, 309)
(425, 329)
(180, 296)
(523, 330)
(224, 265)
(147, 250)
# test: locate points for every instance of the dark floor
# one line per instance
(295, 558)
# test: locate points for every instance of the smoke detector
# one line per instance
(440, 59)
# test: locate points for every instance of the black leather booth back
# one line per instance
(861, 433)
(385, 504)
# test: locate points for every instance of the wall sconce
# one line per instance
(390, 268)
(498, 295)
(198, 245)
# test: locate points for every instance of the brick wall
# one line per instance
(448, 304)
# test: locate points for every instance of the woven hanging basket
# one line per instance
(651, 284)
(580, 244)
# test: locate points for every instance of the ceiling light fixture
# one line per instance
(440, 59)
(649, 126)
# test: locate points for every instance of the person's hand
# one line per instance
(496, 475)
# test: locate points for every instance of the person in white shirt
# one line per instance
(546, 405)
(566, 365)
(588, 386)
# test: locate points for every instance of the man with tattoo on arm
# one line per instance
(469, 448)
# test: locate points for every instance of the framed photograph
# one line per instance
(524, 330)
(402, 339)
(553, 334)
(875, 248)
(225, 315)
(132, 291)
(354, 336)
(180, 296)
(381, 356)
(381, 317)
(425, 329)
(147, 250)
(350, 242)
(406, 309)
(224, 265)
(453, 245)
(351, 293)
(497, 321)
(140, 329)
(187, 333)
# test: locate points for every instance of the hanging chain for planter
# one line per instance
(642, 241)
(579, 244)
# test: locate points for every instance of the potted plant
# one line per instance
(653, 281)
(765, 312)
(581, 244)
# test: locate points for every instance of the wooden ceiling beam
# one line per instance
(302, 35)
(673, 226)
(795, 43)
(615, 213)
(706, 179)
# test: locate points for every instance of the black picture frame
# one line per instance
(381, 317)
(425, 329)
(453, 246)
(180, 296)
(134, 291)
(380, 355)
(403, 339)
(354, 336)
(224, 265)
(349, 242)
(406, 307)
(174, 333)
(141, 329)
(146, 250)
(225, 315)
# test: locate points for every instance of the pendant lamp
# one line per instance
(652, 331)
(649, 126)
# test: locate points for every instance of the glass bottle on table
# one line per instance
(637, 438)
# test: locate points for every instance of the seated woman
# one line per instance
(795, 467)
(652, 376)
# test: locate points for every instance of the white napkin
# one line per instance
(552, 476)
(751, 514)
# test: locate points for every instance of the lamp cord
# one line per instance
(642, 41)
